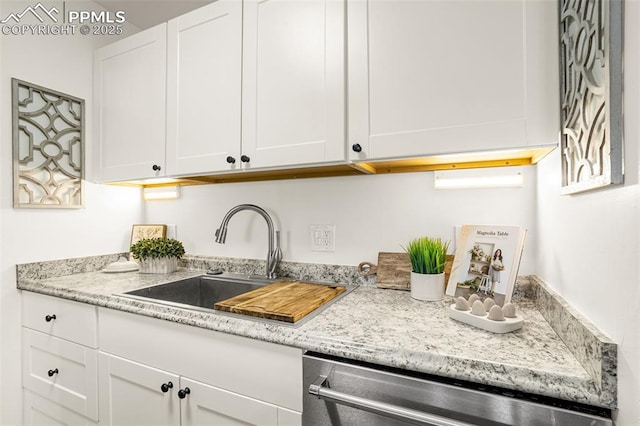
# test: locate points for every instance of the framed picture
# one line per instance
(140, 232)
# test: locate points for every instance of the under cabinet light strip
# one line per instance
(477, 178)
(161, 193)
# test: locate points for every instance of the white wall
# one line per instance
(589, 244)
(63, 63)
(371, 214)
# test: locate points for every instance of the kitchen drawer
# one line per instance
(73, 382)
(73, 321)
(38, 411)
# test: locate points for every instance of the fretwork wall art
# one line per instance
(591, 91)
(48, 147)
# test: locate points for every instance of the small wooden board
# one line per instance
(394, 271)
(287, 301)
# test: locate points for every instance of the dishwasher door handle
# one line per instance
(320, 389)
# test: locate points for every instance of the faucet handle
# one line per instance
(221, 235)
(276, 255)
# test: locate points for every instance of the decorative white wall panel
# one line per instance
(48, 147)
(591, 90)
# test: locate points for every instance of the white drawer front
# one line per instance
(62, 318)
(61, 371)
(38, 411)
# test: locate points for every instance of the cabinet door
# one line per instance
(131, 394)
(431, 77)
(293, 82)
(130, 106)
(204, 89)
(208, 405)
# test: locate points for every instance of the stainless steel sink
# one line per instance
(203, 292)
(200, 292)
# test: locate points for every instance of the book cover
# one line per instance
(486, 261)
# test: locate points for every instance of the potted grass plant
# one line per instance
(428, 257)
(157, 255)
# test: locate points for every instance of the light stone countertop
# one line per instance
(385, 327)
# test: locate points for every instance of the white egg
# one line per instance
(509, 310)
(461, 304)
(473, 298)
(488, 303)
(478, 308)
(495, 314)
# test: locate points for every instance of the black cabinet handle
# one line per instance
(166, 386)
(182, 393)
(52, 372)
(231, 160)
(356, 147)
(156, 168)
(48, 318)
(245, 159)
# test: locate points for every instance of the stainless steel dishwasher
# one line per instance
(344, 392)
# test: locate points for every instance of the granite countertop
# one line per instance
(380, 326)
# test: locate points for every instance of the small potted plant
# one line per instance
(428, 257)
(157, 255)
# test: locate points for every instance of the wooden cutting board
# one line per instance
(287, 301)
(394, 271)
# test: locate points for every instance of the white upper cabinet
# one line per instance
(129, 107)
(432, 77)
(293, 92)
(269, 84)
(204, 89)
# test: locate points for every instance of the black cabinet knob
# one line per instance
(166, 386)
(356, 147)
(245, 159)
(231, 160)
(48, 318)
(156, 168)
(52, 372)
(182, 393)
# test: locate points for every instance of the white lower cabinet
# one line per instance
(59, 361)
(128, 369)
(136, 394)
(182, 375)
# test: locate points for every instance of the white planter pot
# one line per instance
(161, 265)
(429, 287)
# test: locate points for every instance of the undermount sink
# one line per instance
(203, 292)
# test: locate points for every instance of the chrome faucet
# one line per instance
(274, 255)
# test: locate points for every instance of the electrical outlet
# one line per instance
(323, 237)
